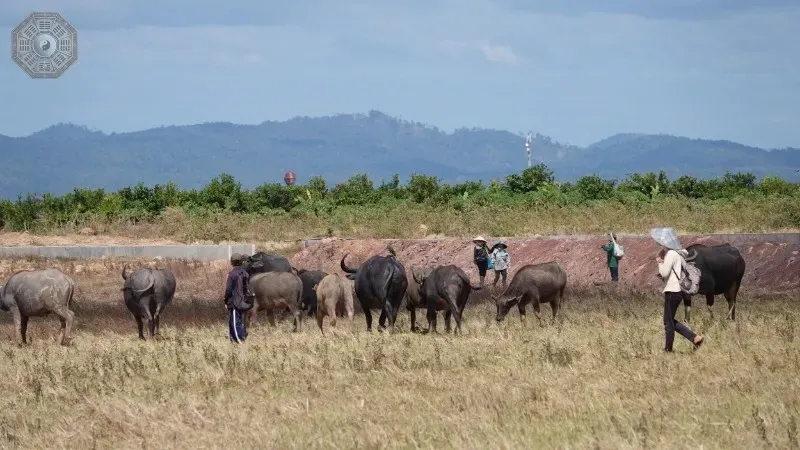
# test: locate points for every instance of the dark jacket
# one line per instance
(237, 290)
(480, 255)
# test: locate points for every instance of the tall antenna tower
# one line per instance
(528, 145)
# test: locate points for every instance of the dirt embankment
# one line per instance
(771, 266)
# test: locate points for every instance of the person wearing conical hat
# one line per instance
(670, 262)
(480, 255)
(501, 260)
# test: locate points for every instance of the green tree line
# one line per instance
(535, 186)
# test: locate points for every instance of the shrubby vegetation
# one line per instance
(527, 202)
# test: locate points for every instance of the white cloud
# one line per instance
(500, 53)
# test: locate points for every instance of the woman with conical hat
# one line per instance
(480, 255)
(670, 264)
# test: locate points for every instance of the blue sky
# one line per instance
(578, 72)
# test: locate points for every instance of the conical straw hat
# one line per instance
(667, 237)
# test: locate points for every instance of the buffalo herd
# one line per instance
(381, 283)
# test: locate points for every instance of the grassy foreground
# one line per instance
(596, 379)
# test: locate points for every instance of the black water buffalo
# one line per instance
(310, 278)
(445, 288)
(37, 293)
(533, 283)
(721, 272)
(146, 293)
(276, 291)
(380, 282)
(412, 299)
(262, 262)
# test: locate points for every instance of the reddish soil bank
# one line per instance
(773, 263)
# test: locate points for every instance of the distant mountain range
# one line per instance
(65, 156)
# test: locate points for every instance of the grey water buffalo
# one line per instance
(533, 283)
(335, 297)
(446, 288)
(146, 293)
(721, 271)
(276, 291)
(310, 278)
(380, 283)
(261, 262)
(37, 293)
(412, 298)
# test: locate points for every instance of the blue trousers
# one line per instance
(614, 273)
(236, 330)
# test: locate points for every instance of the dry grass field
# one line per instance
(596, 379)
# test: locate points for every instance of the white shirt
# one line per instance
(668, 270)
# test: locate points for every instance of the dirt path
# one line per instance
(771, 266)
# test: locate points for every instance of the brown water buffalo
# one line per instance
(334, 297)
(276, 291)
(412, 298)
(533, 283)
(380, 283)
(445, 288)
(37, 293)
(146, 293)
(721, 272)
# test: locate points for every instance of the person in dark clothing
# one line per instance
(238, 298)
(480, 255)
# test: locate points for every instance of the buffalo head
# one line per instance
(504, 303)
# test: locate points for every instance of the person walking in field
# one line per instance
(480, 254)
(670, 264)
(502, 262)
(612, 257)
(238, 298)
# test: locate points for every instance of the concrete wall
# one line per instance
(196, 252)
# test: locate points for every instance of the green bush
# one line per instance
(533, 188)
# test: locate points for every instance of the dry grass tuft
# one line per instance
(597, 378)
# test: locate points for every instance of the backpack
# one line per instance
(689, 279)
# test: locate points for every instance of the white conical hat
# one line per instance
(667, 237)
(478, 239)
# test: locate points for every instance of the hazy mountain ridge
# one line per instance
(64, 156)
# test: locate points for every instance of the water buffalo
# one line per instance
(37, 293)
(412, 298)
(335, 294)
(147, 292)
(262, 262)
(721, 272)
(310, 278)
(533, 283)
(277, 291)
(380, 282)
(445, 288)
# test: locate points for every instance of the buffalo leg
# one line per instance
(298, 320)
(67, 317)
(368, 317)
(388, 311)
(710, 304)
(687, 307)
(457, 315)
(522, 311)
(18, 325)
(431, 316)
(23, 329)
(448, 320)
(537, 311)
(270, 317)
(413, 313)
(730, 296)
(250, 316)
(140, 326)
